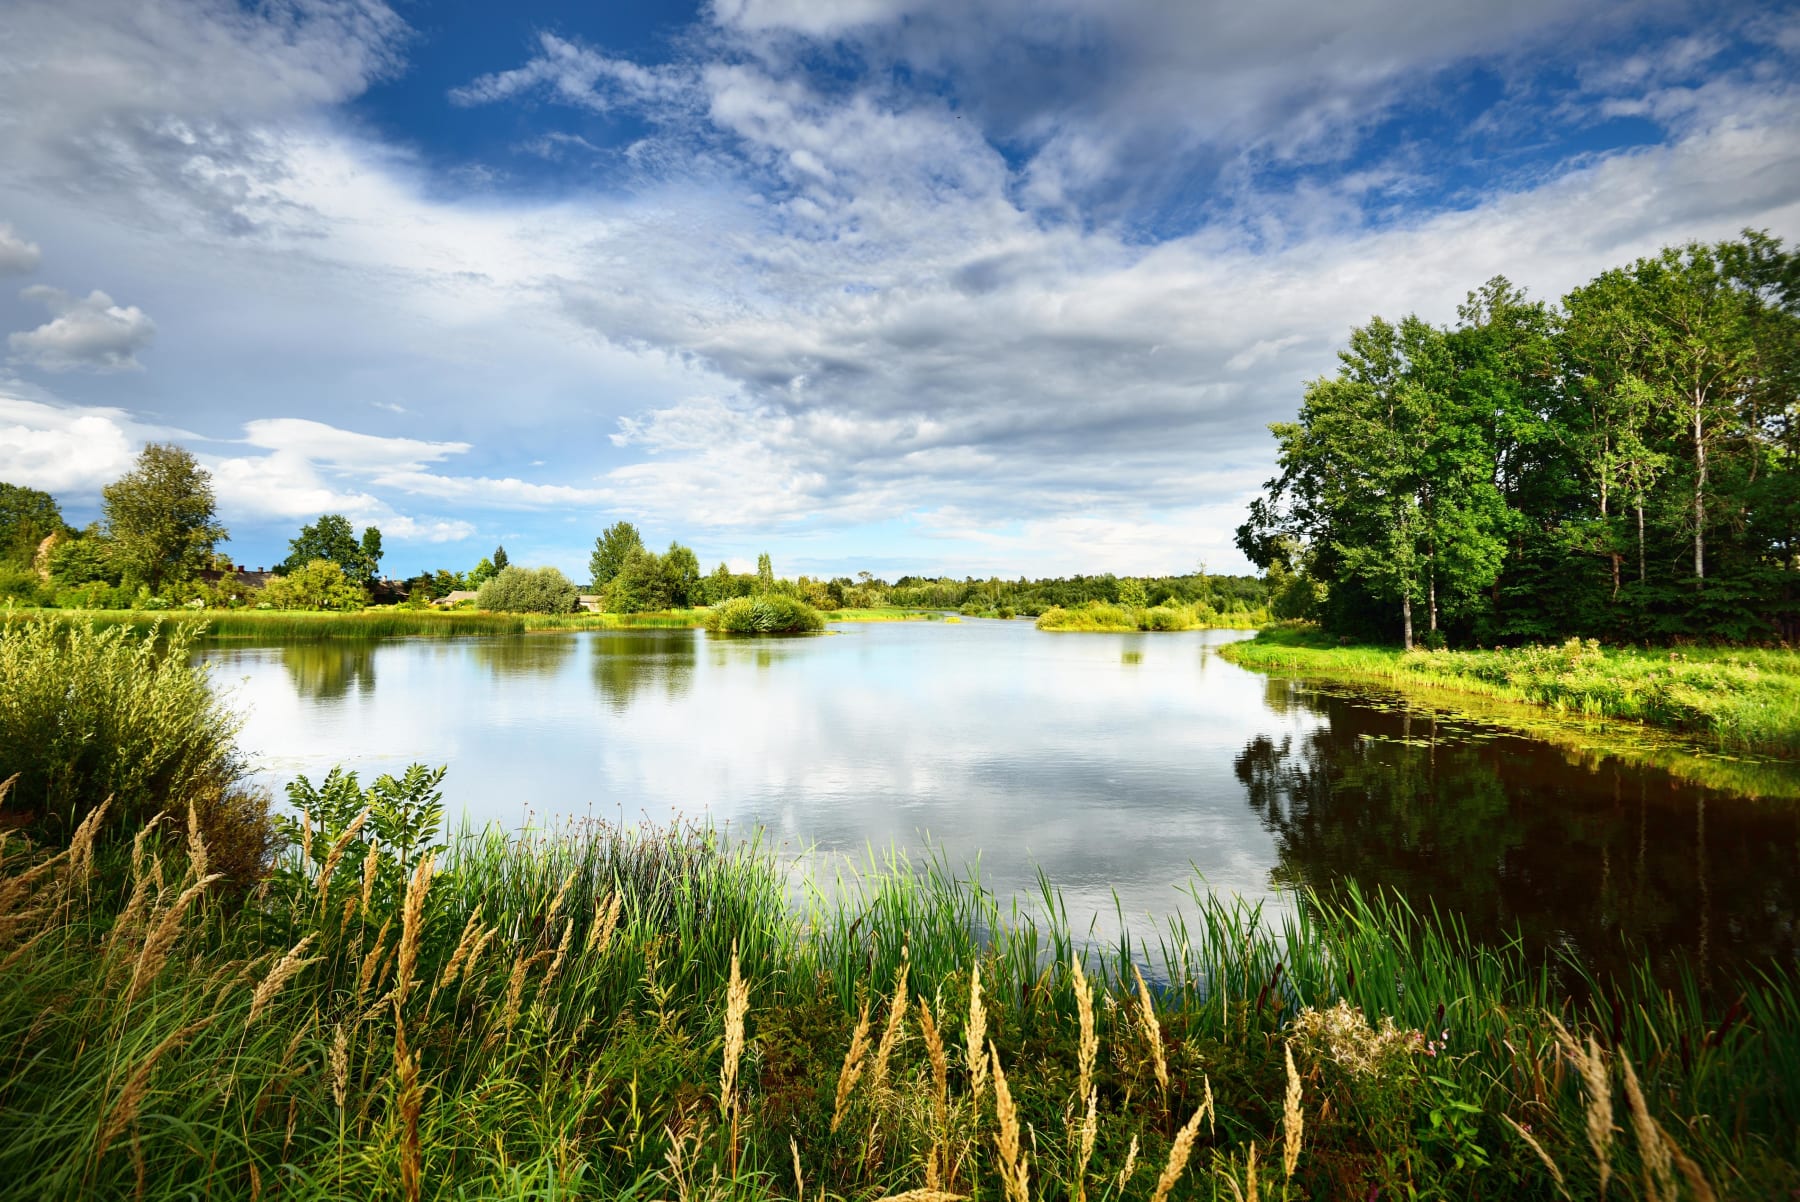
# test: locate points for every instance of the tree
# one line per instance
(445, 582)
(500, 559)
(681, 576)
(640, 585)
(527, 591)
(27, 518)
(319, 584)
(161, 517)
(765, 573)
(332, 539)
(611, 550)
(480, 574)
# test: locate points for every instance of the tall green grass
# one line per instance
(1102, 617)
(298, 626)
(1740, 699)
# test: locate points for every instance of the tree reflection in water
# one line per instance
(626, 663)
(1512, 834)
(329, 671)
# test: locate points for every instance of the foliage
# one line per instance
(27, 517)
(91, 714)
(84, 560)
(768, 614)
(501, 562)
(160, 516)
(331, 539)
(612, 549)
(319, 584)
(1625, 465)
(527, 591)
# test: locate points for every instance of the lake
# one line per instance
(1127, 766)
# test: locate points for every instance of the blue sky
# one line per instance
(903, 285)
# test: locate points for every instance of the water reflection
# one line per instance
(630, 662)
(330, 671)
(1511, 833)
(526, 656)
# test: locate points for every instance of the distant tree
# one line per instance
(765, 573)
(640, 585)
(480, 574)
(611, 550)
(444, 582)
(500, 559)
(161, 516)
(1133, 593)
(27, 518)
(681, 576)
(84, 560)
(331, 538)
(320, 584)
(719, 585)
(527, 591)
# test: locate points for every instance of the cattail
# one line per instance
(894, 1031)
(1535, 1146)
(371, 869)
(411, 1102)
(338, 846)
(737, 1002)
(160, 938)
(1653, 1150)
(1013, 1170)
(1090, 1041)
(1130, 1163)
(1590, 1065)
(340, 1064)
(132, 1096)
(285, 970)
(412, 925)
(853, 1067)
(1293, 1121)
(197, 858)
(1152, 1032)
(606, 920)
(1179, 1152)
(471, 932)
(976, 1040)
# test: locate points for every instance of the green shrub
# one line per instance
(527, 591)
(20, 585)
(88, 714)
(770, 613)
(1165, 617)
(321, 584)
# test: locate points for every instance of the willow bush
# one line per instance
(771, 613)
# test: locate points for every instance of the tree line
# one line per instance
(1624, 464)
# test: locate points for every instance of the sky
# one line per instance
(905, 286)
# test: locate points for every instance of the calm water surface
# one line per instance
(1125, 763)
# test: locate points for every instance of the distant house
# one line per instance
(588, 603)
(246, 578)
(387, 592)
(451, 598)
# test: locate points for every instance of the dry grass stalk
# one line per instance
(1251, 1184)
(894, 1031)
(284, 971)
(853, 1067)
(799, 1177)
(940, 1097)
(1013, 1169)
(1212, 1111)
(412, 1099)
(196, 843)
(737, 1004)
(1179, 1151)
(1653, 1148)
(1590, 1065)
(562, 952)
(1152, 1033)
(81, 844)
(1535, 1146)
(338, 847)
(161, 937)
(306, 838)
(371, 868)
(412, 925)
(1090, 1127)
(1698, 1185)
(557, 901)
(470, 934)
(132, 1096)
(1090, 1041)
(366, 971)
(928, 1194)
(340, 1065)
(975, 1045)
(1130, 1164)
(515, 993)
(606, 921)
(1293, 1119)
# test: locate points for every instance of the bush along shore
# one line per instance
(1104, 617)
(1741, 699)
(370, 1009)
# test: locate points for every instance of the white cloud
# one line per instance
(17, 256)
(90, 332)
(62, 451)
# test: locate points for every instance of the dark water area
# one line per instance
(1129, 768)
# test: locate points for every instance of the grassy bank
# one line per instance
(883, 613)
(1100, 617)
(562, 1017)
(1742, 699)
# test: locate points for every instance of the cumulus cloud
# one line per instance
(91, 332)
(17, 256)
(61, 450)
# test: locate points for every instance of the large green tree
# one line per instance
(161, 516)
(614, 546)
(27, 517)
(332, 539)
